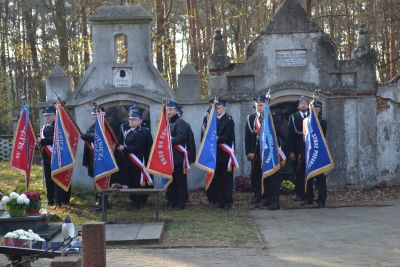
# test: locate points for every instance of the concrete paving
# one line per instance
(300, 238)
(367, 236)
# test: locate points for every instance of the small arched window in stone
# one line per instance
(121, 48)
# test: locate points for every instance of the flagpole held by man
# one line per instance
(318, 159)
(136, 145)
(206, 158)
(272, 157)
(161, 159)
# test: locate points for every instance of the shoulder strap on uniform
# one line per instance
(249, 124)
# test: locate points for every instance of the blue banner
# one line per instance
(207, 156)
(318, 156)
(62, 157)
(104, 163)
(269, 149)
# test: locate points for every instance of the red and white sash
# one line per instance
(47, 149)
(233, 162)
(257, 124)
(186, 163)
(145, 177)
(281, 156)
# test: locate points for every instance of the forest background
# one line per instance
(36, 35)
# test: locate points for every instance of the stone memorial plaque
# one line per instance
(291, 58)
(122, 77)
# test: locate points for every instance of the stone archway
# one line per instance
(117, 113)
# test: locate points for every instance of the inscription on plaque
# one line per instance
(291, 58)
(122, 77)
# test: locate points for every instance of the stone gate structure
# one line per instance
(292, 56)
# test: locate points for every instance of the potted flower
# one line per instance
(34, 203)
(15, 204)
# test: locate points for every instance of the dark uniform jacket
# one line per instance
(179, 133)
(87, 160)
(226, 135)
(47, 140)
(251, 133)
(204, 127)
(295, 133)
(138, 141)
(324, 125)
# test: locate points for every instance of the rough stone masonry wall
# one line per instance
(388, 137)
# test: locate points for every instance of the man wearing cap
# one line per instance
(88, 154)
(177, 194)
(252, 136)
(137, 145)
(320, 180)
(296, 146)
(45, 141)
(223, 177)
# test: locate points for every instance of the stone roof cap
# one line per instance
(189, 69)
(120, 12)
(290, 17)
(57, 71)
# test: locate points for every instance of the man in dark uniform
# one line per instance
(296, 146)
(177, 194)
(225, 136)
(211, 192)
(88, 154)
(46, 144)
(320, 180)
(137, 145)
(252, 146)
(55, 194)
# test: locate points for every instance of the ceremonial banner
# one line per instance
(23, 145)
(104, 181)
(63, 157)
(207, 156)
(104, 163)
(65, 177)
(318, 156)
(161, 161)
(269, 150)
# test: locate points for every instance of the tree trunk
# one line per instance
(61, 30)
(309, 7)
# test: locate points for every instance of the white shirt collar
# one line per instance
(219, 117)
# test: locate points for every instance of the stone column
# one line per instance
(94, 244)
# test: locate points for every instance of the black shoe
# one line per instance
(227, 207)
(320, 204)
(267, 202)
(306, 203)
(274, 206)
(255, 200)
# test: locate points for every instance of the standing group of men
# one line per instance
(295, 146)
(135, 142)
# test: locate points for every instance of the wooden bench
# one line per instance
(131, 191)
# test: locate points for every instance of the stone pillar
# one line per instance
(58, 84)
(188, 85)
(218, 59)
(365, 58)
(94, 244)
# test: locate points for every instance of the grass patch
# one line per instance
(195, 222)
